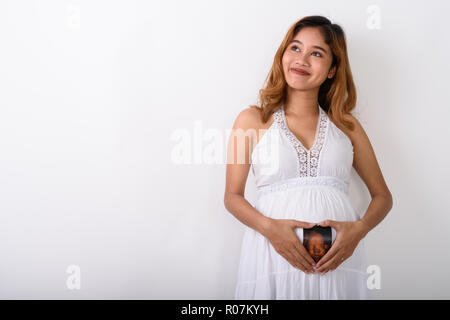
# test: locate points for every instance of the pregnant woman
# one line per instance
(301, 144)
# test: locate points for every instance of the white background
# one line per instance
(91, 93)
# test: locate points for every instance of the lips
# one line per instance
(300, 71)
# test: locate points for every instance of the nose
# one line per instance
(302, 60)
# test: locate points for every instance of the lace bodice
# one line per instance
(308, 159)
(280, 158)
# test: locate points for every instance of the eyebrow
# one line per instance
(317, 47)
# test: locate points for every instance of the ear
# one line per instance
(332, 72)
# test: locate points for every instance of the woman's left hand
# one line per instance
(348, 235)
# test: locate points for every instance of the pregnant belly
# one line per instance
(310, 204)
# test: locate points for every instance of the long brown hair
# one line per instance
(337, 96)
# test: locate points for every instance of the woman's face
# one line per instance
(304, 52)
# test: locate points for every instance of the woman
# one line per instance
(302, 144)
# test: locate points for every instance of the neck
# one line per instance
(302, 103)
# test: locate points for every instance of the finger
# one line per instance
(338, 262)
(325, 268)
(306, 256)
(303, 266)
(291, 259)
(332, 264)
(303, 224)
(301, 258)
(330, 254)
(329, 223)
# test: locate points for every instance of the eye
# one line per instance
(294, 46)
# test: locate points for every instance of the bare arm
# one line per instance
(238, 166)
(366, 165)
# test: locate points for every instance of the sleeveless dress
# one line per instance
(307, 185)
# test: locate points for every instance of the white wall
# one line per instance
(91, 93)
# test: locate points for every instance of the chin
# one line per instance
(299, 87)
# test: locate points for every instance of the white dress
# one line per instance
(306, 185)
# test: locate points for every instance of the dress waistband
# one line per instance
(304, 181)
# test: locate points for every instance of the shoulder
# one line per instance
(365, 161)
(248, 118)
(358, 134)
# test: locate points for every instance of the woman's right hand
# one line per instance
(284, 239)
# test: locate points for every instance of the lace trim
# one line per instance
(329, 181)
(308, 159)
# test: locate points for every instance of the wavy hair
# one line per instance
(337, 96)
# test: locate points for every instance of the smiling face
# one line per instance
(309, 52)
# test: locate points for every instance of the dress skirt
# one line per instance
(265, 274)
